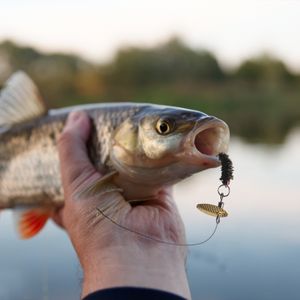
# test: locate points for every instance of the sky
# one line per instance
(233, 29)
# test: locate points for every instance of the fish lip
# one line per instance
(209, 137)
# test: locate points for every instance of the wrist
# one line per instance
(159, 267)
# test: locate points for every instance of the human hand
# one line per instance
(110, 256)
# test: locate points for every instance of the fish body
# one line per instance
(29, 164)
(144, 146)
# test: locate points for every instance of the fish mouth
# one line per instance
(208, 139)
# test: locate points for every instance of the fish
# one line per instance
(139, 147)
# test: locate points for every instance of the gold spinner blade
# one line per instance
(212, 210)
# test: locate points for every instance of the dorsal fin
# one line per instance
(20, 100)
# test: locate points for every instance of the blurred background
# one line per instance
(238, 60)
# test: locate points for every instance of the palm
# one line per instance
(156, 219)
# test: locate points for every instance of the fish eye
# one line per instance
(164, 127)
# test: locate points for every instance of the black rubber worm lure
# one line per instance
(226, 169)
(226, 175)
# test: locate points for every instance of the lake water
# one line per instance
(254, 254)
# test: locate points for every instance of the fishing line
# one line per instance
(146, 236)
(210, 209)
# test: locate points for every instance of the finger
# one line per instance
(57, 217)
(72, 149)
(164, 199)
(166, 195)
(167, 192)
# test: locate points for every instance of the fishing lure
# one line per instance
(213, 210)
(224, 190)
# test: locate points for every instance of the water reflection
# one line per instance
(42, 268)
(254, 254)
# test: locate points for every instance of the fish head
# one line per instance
(163, 145)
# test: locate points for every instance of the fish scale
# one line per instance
(29, 157)
(105, 125)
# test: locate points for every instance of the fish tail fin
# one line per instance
(30, 222)
(20, 100)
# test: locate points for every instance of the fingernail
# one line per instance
(74, 116)
(77, 121)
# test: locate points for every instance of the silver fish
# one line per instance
(141, 147)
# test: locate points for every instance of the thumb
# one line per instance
(74, 161)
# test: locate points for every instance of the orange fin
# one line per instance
(30, 221)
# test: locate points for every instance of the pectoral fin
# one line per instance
(100, 187)
(30, 222)
(141, 200)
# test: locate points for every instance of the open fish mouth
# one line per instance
(208, 139)
(212, 139)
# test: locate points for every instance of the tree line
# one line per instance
(259, 99)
